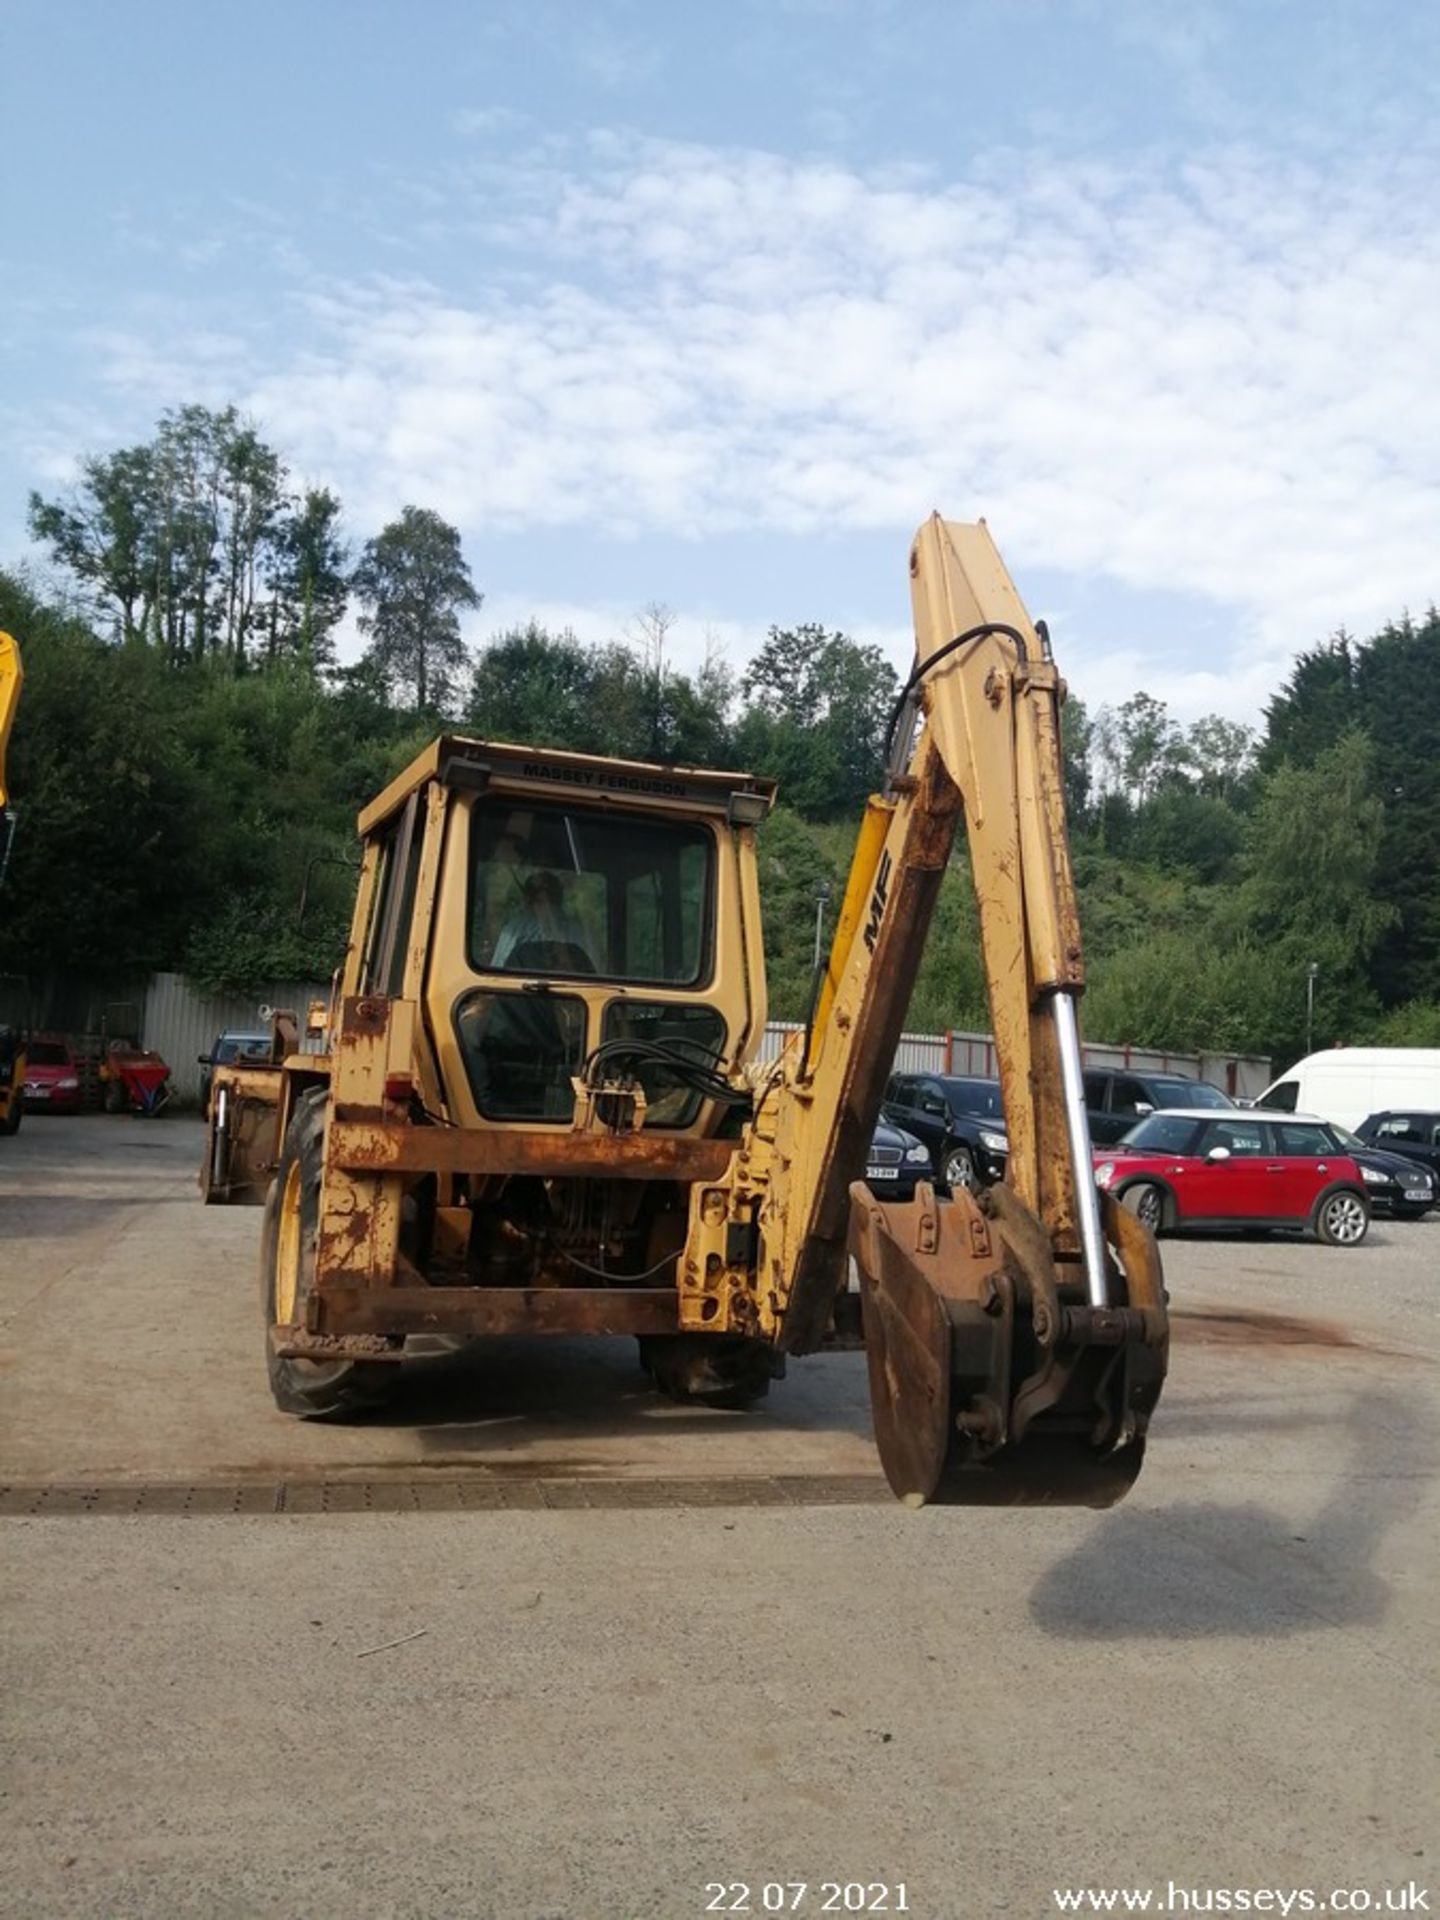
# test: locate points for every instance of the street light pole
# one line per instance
(822, 900)
(1310, 973)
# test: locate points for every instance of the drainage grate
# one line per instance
(476, 1494)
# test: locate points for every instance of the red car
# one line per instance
(1189, 1167)
(52, 1080)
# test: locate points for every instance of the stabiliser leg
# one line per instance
(992, 1381)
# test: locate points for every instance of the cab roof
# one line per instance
(459, 760)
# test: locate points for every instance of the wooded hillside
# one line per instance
(189, 759)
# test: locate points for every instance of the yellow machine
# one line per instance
(542, 1108)
(12, 1045)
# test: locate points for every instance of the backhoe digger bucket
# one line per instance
(992, 1382)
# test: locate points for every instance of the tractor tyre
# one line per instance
(290, 1233)
(711, 1370)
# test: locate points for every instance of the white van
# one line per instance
(1348, 1084)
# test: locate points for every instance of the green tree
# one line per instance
(307, 577)
(1315, 707)
(169, 538)
(1221, 752)
(1398, 692)
(413, 581)
(817, 704)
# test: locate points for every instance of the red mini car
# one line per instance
(52, 1080)
(1190, 1167)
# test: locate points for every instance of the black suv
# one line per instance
(1415, 1135)
(961, 1121)
(1117, 1099)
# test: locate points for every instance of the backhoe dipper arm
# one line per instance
(11, 679)
(1028, 1264)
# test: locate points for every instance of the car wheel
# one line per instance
(1342, 1219)
(960, 1169)
(1147, 1203)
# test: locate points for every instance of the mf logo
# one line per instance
(877, 902)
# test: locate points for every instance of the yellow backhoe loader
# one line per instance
(12, 1041)
(542, 1109)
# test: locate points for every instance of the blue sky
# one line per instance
(710, 306)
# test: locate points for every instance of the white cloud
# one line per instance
(1218, 384)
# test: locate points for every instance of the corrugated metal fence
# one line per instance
(181, 1024)
(1243, 1076)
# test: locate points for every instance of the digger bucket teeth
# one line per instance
(989, 1384)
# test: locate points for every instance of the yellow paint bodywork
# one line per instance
(12, 678)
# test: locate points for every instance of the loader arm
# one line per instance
(1017, 1338)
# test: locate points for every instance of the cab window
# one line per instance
(564, 891)
(1284, 1098)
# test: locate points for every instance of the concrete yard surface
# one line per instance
(579, 1703)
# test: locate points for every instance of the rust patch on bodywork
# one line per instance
(396, 1147)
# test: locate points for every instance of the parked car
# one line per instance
(1397, 1186)
(1414, 1135)
(1347, 1083)
(895, 1163)
(1187, 1167)
(961, 1121)
(1115, 1098)
(52, 1079)
(232, 1048)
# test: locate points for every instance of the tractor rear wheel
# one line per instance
(290, 1235)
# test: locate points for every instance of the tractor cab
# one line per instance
(567, 922)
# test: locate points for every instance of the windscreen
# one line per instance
(46, 1053)
(1190, 1093)
(556, 890)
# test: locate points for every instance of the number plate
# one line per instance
(882, 1173)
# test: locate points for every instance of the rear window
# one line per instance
(559, 890)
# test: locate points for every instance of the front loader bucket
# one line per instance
(992, 1382)
(240, 1145)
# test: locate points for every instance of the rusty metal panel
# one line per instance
(395, 1147)
(476, 1312)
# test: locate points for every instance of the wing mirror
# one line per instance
(204, 1060)
(1218, 1153)
(1143, 1107)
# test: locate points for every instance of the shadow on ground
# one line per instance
(514, 1391)
(1205, 1569)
